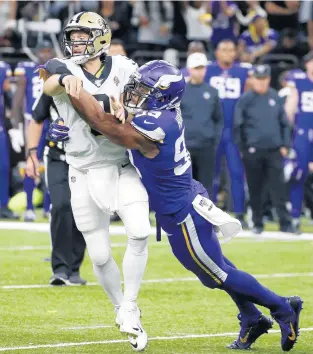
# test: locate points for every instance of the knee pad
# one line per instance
(138, 246)
(98, 246)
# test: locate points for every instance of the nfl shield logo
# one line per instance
(73, 179)
(116, 80)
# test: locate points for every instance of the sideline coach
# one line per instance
(263, 136)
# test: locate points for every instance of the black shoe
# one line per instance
(75, 279)
(59, 279)
(249, 334)
(257, 230)
(289, 323)
(243, 223)
(6, 213)
(291, 229)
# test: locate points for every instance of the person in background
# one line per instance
(257, 41)
(299, 109)
(282, 14)
(193, 47)
(5, 212)
(29, 88)
(68, 244)
(203, 117)
(117, 47)
(231, 80)
(263, 135)
(253, 8)
(224, 20)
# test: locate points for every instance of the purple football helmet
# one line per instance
(157, 85)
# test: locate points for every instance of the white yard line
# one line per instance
(116, 341)
(162, 280)
(117, 230)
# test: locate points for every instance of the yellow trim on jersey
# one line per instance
(99, 72)
(195, 258)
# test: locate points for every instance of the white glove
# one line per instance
(17, 139)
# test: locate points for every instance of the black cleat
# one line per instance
(249, 334)
(6, 213)
(289, 323)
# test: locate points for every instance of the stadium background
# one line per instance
(178, 313)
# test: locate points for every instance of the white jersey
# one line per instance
(87, 148)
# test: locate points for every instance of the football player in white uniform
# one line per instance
(101, 178)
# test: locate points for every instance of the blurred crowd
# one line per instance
(278, 33)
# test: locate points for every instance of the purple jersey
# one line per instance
(5, 72)
(230, 84)
(304, 86)
(223, 26)
(254, 43)
(34, 85)
(167, 177)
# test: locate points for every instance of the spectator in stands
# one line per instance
(7, 16)
(282, 14)
(257, 41)
(117, 47)
(179, 28)
(154, 20)
(306, 17)
(253, 8)
(202, 112)
(118, 14)
(224, 20)
(263, 135)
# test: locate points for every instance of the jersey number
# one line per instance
(37, 87)
(104, 101)
(307, 101)
(181, 155)
(227, 87)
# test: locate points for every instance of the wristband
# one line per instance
(30, 150)
(61, 79)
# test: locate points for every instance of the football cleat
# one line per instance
(30, 216)
(250, 333)
(289, 323)
(128, 320)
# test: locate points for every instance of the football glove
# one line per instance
(58, 132)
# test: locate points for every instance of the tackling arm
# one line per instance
(108, 125)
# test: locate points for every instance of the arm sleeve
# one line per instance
(285, 128)
(55, 66)
(41, 107)
(218, 118)
(238, 123)
(148, 126)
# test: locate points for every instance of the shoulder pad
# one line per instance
(147, 125)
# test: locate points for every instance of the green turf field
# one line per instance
(179, 314)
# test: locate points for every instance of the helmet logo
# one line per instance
(164, 85)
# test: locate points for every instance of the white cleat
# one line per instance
(30, 216)
(128, 319)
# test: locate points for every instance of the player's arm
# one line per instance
(108, 125)
(291, 105)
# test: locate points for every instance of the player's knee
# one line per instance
(138, 246)
(98, 247)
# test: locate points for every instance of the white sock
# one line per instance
(109, 278)
(134, 266)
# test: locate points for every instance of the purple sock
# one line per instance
(29, 186)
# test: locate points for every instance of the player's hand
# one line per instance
(58, 131)
(72, 85)
(118, 109)
(283, 151)
(17, 139)
(32, 165)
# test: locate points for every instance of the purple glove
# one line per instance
(58, 131)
